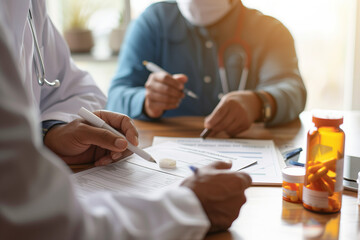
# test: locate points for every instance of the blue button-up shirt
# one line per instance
(163, 36)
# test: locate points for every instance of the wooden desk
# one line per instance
(266, 215)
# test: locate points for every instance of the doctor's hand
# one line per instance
(78, 142)
(235, 113)
(221, 193)
(163, 92)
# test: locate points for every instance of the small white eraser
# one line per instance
(167, 163)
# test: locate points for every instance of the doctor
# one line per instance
(58, 88)
(241, 64)
(37, 199)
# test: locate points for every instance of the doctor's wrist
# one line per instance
(48, 124)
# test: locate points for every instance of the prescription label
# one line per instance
(316, 199)
(288, 193)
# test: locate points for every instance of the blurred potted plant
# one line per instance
(118, 33)
(76, 17)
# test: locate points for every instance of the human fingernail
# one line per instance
(136, 141)
(229, 161)
(121, 143)
(103, 162)
(116, 156)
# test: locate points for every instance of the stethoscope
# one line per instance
(40, 73)
(235, 40)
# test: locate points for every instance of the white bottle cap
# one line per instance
(293, 174)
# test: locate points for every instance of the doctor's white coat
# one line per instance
(77, 87)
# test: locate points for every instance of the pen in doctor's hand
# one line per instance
(98, 122)
(152, 67)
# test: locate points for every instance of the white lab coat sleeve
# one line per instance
(172, 214)
(77, 89)
(37, 199)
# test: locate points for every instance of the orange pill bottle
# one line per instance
(292, 186)
(324, 164)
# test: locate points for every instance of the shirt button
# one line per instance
(209, 44)
(207, 79)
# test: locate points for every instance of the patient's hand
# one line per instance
(163, 92)
(234, 114)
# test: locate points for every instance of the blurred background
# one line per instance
(326, 33)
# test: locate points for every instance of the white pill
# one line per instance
(167, 163)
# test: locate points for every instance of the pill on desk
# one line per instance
(167, 163)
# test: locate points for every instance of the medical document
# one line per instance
(266, 171)
(136, 175)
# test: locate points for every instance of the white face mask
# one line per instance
(204, 12)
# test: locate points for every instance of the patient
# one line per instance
(190, 39)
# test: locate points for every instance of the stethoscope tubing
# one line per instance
(39, 73)
(221, 63)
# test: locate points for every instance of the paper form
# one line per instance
(121, 177)
(186, 156)
(267, 171)
(136, 175)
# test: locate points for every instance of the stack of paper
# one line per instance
(266, 171)
(136, 175)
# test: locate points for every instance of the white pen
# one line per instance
(152, 67)
(98, 122)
